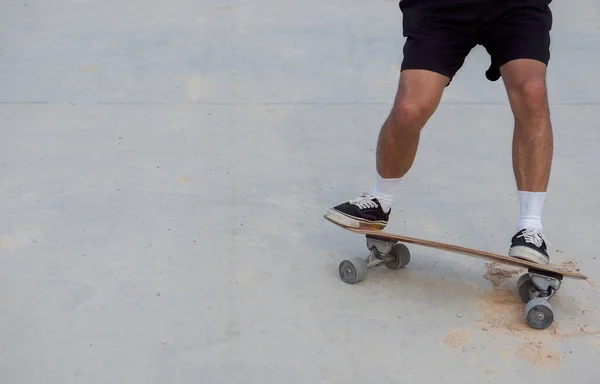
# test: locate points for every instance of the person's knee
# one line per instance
(419, 93)
(410, 114)
(534, 92)
(531, 96)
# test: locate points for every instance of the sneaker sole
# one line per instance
(353, 222)
(528, 254)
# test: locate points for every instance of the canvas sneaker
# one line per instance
(529, 244)
(364, 212)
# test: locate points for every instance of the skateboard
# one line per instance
(535, 287)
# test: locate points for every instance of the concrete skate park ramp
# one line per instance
(165, 168)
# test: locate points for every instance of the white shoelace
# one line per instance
(363, 202)
(533, 235)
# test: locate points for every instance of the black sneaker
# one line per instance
(529, 244)
(364, 212)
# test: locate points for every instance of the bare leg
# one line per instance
(532, 151)
(419, 94)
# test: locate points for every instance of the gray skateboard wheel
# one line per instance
(539, 314)
(401, 257)
(353, 271)
(526, 288)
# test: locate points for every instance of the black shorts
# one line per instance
(441, 33)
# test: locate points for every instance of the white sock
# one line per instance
(384, 191)
(531, 209)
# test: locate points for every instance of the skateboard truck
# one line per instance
(389, 252)
(545, 283)
(381, 247)
(535, 289)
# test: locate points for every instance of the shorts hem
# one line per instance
(502, 62)
(439, 71)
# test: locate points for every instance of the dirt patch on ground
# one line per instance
(500, 310)
(497, 275)
(456, 339)
(539, 355)
(501, 314)
(568, 265)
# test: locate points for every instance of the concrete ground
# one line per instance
(165, 168)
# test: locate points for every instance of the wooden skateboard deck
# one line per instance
(465, 251)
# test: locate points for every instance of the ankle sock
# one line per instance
(531, 205)
(384, 191)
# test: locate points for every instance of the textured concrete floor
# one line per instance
(164, 170)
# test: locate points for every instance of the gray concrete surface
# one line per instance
(164, 169)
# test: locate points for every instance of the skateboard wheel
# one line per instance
(539, 313)
(400, 255)
(526, 288)
(353, 271)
